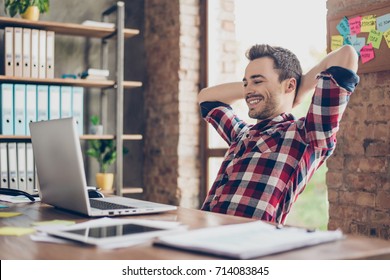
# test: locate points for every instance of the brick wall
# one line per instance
(358, 179)
(171, 163)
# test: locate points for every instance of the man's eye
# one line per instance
(257, 82)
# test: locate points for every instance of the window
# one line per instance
(233, 27)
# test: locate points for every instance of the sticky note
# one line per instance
(386, 35)
(355, 25)
(383, 23)
(367, 53)
(368, 23)
(16, 231)
(9, 214)
(349, 39)
(54, 222)
(375, 37)
(3, 206)
(359, 43)
(343, 27)
(336, 42)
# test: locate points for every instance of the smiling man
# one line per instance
(268, 164)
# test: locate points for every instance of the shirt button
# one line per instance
(216, 197)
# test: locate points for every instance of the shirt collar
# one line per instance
(268, 123)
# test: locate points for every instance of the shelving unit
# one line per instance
(119, 33)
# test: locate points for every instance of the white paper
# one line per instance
(249, 240)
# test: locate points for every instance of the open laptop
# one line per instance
(61, 174)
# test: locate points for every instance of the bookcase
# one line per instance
(116, 85)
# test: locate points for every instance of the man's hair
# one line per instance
(285, 62)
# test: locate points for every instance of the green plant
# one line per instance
(95, 120)
(13, 7)
(104, 151)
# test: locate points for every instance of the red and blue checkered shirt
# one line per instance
(269, 164)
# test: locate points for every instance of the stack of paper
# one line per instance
(248, 240)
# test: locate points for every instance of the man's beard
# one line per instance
(265, 113)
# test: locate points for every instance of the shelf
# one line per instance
(82, 137)
(72, 29)
(70, 82)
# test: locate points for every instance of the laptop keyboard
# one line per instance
(104, 205)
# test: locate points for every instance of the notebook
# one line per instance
(61, 174)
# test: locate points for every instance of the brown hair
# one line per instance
(285, 62)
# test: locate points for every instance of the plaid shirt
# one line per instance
(269, 164)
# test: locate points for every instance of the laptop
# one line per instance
(61, 174)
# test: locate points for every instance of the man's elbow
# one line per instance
(349, 58)
(202, 95)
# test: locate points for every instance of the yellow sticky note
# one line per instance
(16, 231)
(368, 23)
(336, 42)
(9, 214)
(54, 222)
(387, 37)
(375, 37)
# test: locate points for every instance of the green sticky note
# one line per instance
(54, 222)
(9, 214)
(16, 231)
(375, 37)
(3, 206)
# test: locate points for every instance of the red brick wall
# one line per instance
(359, 172)
(171, 164)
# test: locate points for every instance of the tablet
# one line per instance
(110, 233)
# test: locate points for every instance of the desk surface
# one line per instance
(18, 248)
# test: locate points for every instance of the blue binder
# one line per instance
(54, 102)
(7, 109)
(20, 109)
(78, 105)
(66, 102)
(31, 106)
(42, 102)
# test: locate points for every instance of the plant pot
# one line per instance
(96, 129)
(105, 181)
(32, 13)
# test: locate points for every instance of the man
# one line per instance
(269, 164)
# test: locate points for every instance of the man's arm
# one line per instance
(226, 93)
(345, 57)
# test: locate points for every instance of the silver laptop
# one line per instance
(61, 174)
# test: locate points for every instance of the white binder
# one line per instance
(42, 54)
(20, 109)
(34, 53)
(50, 54)
(66, 101)
(42, 103)
(9, 51)
(18, 52)
(12, 166)
(21, 159)
(3, 165)
(54, 102)
(26, 52)
(30, 172)
(78, 105)
(7, 109)
(31, 106)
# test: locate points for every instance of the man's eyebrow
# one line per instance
(254, 77)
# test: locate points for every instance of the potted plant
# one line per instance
(95, 128)
(104, 151)
(28, 9)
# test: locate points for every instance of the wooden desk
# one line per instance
(18, 248)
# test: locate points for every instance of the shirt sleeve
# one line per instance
(330, 99)
(222, 117)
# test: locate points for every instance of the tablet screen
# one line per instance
(112, 231)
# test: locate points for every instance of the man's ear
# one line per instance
(291, 85)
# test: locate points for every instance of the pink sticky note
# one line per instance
(355, 25)
(367, 53)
